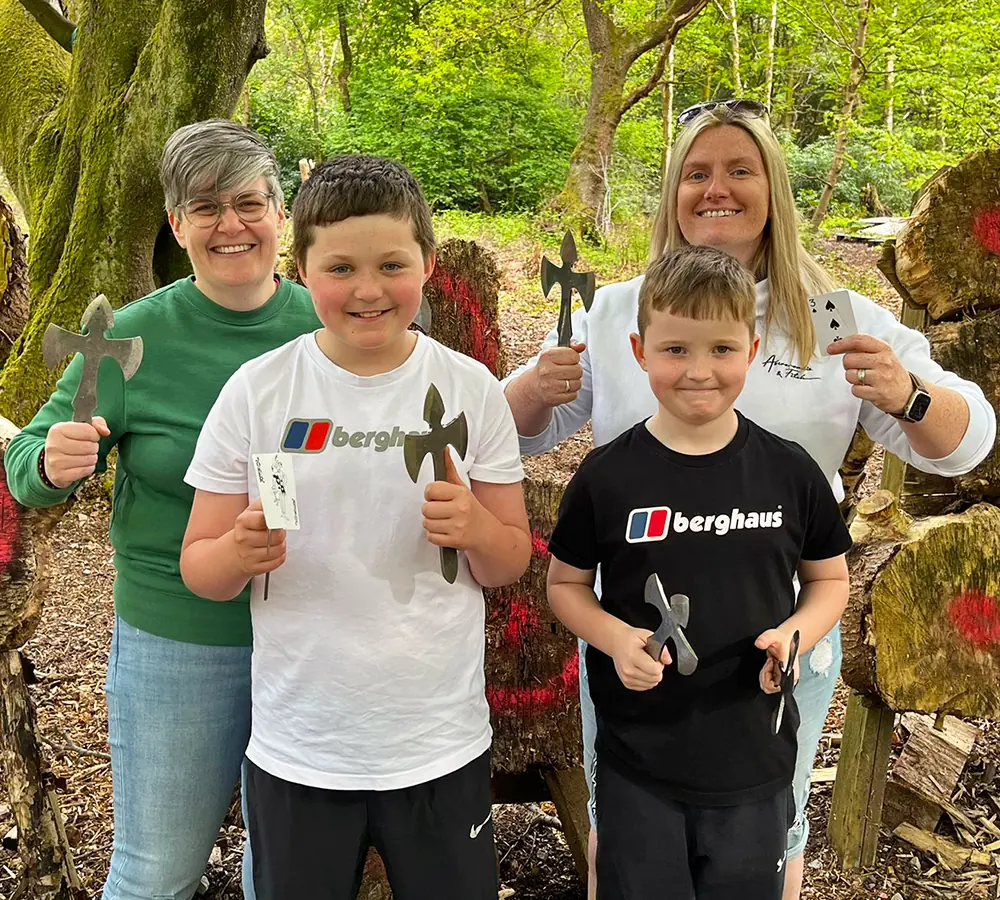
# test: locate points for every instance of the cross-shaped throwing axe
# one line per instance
(584, 282)
(674, 619)
(97, 319)
(434, 442)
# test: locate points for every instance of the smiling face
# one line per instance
(696, 367)
(233, 261)
(723, 196)
(365, 275)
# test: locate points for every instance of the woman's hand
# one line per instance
(558, 375)
(71, 450)
(875, 372)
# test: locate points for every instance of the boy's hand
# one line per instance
(452, 514)
(778, 646)
(71, 450)
(637, 670)
(250, 535)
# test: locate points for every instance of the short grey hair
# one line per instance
(216, 156)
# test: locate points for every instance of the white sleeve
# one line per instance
(222, 456)
(913, 351)
(497, 459)
(569, 418)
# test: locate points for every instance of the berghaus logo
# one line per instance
(315, 435)
(654, 523)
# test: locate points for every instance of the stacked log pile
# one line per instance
(922, 631)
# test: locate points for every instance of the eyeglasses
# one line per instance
(745, 109)
(204, 212)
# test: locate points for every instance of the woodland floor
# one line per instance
(70, 652)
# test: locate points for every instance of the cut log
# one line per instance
(925, 775)
(922, 628)
(463, 293)
(947, 853)
(948, 255)
(532, 665)
(853, 469)
(971, 349)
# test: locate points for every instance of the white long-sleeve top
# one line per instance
(813, 407)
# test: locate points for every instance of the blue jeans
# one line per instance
(813, 694)
(178, 725)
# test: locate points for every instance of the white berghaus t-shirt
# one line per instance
(367, 664)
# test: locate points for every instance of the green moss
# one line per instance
(33, 77)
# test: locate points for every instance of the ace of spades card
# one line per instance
(833, 318)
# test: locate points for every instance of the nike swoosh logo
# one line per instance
(475, 829)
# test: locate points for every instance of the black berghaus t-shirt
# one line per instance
(728, 529)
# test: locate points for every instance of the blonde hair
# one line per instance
(792, 274)
(698, 283)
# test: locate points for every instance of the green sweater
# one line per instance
(190, 348)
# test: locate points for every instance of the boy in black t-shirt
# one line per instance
(700, 509)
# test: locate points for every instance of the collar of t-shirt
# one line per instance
(699, 461)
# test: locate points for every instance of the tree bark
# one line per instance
(772, 32)
(668, 111)
(613, 52)
(734, 45)
(81, 147)
(344, 76)
(13, 280)
(922, 628)
(948, 255)
(854, 79)
(48, 872)
(890, 72)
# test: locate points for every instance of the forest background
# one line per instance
(487, 100)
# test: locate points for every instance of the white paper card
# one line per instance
(833, 318)
(276, 481)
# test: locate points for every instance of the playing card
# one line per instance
(833, 318)
(277, 489)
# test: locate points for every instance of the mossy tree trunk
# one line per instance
(614, 49)
(80, 140)
(13, 280)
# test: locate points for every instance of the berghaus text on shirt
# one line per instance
(654, 523)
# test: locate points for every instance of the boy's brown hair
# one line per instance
(698, 283)
(359, 185)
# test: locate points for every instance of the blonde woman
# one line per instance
(727, 187)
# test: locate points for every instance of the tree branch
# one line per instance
(646, 89)
(673, 20)
(56, 25)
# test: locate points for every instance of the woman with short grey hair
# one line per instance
(178, 684)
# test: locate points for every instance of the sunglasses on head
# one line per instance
(746, 109)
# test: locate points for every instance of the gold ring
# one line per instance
(861, 376)
(567, 386)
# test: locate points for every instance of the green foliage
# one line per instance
(888, 161)
(484, 99)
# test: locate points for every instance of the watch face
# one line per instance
(918, 406)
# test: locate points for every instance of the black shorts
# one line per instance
(436, 839)
(651, 846)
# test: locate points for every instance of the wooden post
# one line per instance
(856, 811)
(571, 796)
(858, 792)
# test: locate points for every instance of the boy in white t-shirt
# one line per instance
(370, 722)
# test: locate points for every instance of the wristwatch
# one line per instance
(918, 403)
